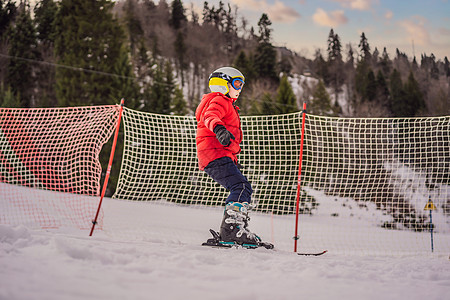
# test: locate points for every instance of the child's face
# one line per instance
(233, 92)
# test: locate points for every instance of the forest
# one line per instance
(158, 56)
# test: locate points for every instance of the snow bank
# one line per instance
(37, 264)
(153, 251)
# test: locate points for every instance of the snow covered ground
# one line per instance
(153, 251)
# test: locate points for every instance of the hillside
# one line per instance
(158, 56)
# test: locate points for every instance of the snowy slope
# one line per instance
(152, 251)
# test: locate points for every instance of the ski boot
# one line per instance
(234, 227)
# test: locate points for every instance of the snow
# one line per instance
(153, 251)
(303, 87)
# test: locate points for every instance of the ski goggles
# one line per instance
(237, 83)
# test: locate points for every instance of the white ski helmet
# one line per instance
(219, 79)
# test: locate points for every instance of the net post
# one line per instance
(108, 171)
(297, 207)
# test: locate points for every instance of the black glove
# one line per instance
(223, 135)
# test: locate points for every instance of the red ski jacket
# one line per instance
(217, 109)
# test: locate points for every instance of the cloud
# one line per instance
(388, 15)
(281, 13)
(444, 31)
(356, 4)
(249, 4)
(277, 12)
(332, 19)
(416, 30)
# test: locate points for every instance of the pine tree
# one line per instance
(350, 62)
(382, 95)
(414, 65)
(156, 52)
(364, 48)
(179, 106)
(370, 86)
(88, 38)
(218, 16)
(242, 63)
(125, 83)
(397, 94)
(349, 74)
(330, 44)
(145, 72)
(143, 62)
(177, 17)
(265, 106)
(335, 62)
(132, 24)
(434, 72)
(169, 88)
(265, 61)
(8, 98)
(213, 16)
(264, 29)
(230, 30)
(321, 67)
(385, 63)
(22, 44)
(334, 47)
(265, 57)
(180, 50)
(44, 14)
(194, 15)
(8, 12)
(363, 69)
(414, 102)
(361, 75)
(207, 15)
(284, 65)
(162, 89)
(375, 56)
(155, 102)
(446, 67)
(286, 101)
(321, 102)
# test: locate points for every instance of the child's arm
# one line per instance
(214, 114)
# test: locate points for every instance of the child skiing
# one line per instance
(218, 137)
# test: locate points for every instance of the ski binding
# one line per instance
(216, 242)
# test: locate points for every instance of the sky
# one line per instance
(413, 26)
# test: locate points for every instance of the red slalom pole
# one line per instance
(296, 237)
(108, 171)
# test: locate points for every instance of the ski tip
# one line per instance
(267, 246)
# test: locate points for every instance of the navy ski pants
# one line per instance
(225, 172)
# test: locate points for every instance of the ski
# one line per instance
(215, 242)
(313, 254)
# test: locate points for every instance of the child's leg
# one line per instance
(225, 172)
